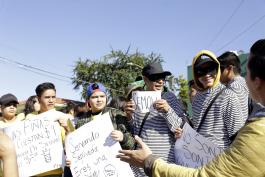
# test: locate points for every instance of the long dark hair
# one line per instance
(29, 106)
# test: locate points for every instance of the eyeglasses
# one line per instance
(154, 78)
(203, 71)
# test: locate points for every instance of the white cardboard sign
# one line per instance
(194, 150)
(144, 100)
(38, 145)
(93, 152)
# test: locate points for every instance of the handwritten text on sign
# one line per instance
(93, 152)
(194, 150)
(38, 145)
(144, 100)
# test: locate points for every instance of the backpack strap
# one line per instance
(208, 108)
(141, 127)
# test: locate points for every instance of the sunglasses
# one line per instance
(10, 104)
(204, 71)
(154, 78)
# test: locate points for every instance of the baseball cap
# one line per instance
(154, 69)
(203, 57)
(203, 60)
(137, 85)
(95, 87)
(8, 98)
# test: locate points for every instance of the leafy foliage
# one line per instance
(179, 85)
(183, 88)
(114, 70)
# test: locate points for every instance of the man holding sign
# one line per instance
(46, 94)
(157, 126)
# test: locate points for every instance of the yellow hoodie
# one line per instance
(213, 57)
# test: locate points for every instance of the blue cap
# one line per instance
(95, 87)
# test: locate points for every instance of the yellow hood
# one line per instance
(212, 56)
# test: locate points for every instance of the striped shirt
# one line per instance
(224, 118)
(158, 130)
(239, 87)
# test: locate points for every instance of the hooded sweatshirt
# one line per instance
(224, 117)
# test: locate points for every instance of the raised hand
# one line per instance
(135, 157)
(161, 105)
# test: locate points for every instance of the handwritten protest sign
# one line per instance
(38, 145)
(194, 150)
(144, 100)
(93, 152)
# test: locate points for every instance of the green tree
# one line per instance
(115, 70)
(179, 85)
(183, 88)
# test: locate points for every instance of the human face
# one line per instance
(154, 83)
(206, 75)
(97, 101)
(9, 111)
(47, 100)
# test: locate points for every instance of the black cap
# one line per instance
(8, 98)
(154, 69)
(202, 60)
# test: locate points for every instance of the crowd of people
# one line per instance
(245, 155)
(227, 109)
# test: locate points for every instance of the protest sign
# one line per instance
(194, 150)
(93, 152)
(38, 145)
(144, 100)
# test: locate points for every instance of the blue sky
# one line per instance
(52, 34)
